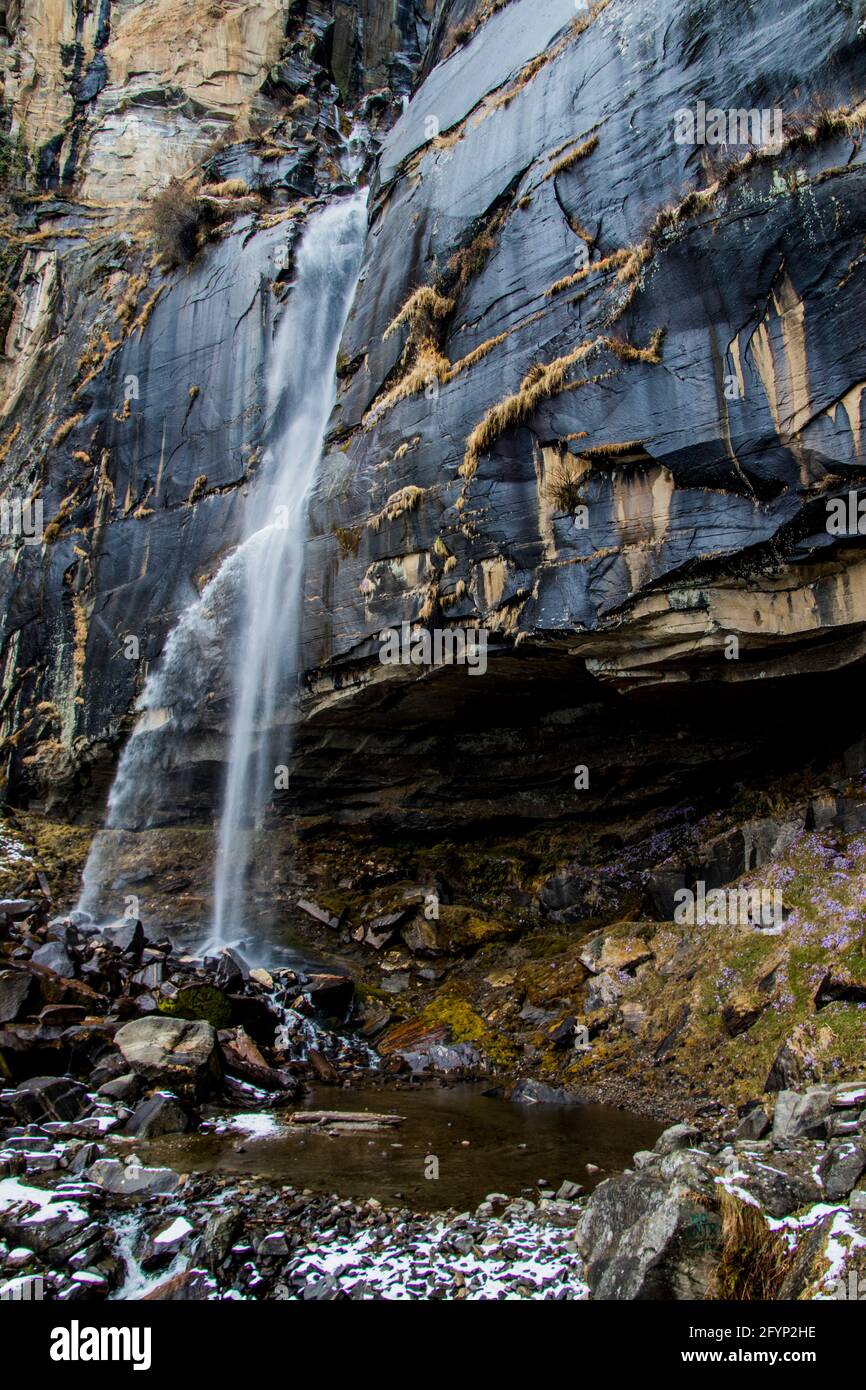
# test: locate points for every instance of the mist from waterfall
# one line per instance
(248, 615)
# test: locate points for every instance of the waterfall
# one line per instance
(302, 380)
(248, 615)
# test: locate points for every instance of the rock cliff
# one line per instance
(600, 396)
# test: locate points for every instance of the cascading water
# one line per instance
(303, 379)
(248, 614)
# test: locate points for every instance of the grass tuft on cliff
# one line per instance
(180, 223)
(754, 1259)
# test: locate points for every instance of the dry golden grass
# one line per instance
(569, 160)
(616, 258)
(66, 429)
(754, 1259)
(141, 321)
(125, 310)
(198, 488)
(424, 305)
(477, 355)
(428, 365)
(564, 487)
(93, 359)
(407, 499)
(460, 34)
(608, 451)
(540, 384)
(228, 188)
(627, 352)
(424, 362)
(469, 262)
(9, 441)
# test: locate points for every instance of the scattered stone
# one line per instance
(529, 1092)
(754, 1124)
(568, 1191)
(802, 1116)
(677, 1137)
(132, 1179)
(48, 1098)
(126, 935)
(15, 988)
(161, 1114)
(54, 956)
(841, 1167)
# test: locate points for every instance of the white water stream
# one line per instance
(248, 616)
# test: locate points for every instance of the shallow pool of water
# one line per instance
(480, 1143)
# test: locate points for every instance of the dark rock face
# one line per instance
(133, 399)
(704, 464)
(537, 147)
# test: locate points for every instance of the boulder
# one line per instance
(205, 1003)
(754, 1124)
(577, 894)
(781, 1183)
(529, 1092)
(15, 989)
(423, 938)
(330, 995)
(232, 970)
(57, 989)
(44, 1098)
(125, 1087)
(219, 1235)
(190, 1286)
(54, 956)
(604, 991)
(641, 1240)
(173, 1052)
(677, 1137)
(742, 1011)
(841, 1168)
(132, 1179)
(802, 1116)
(839, 984)
(126, 935)
(793, 1063)
(16, 908)
(851, 1095)
(830, 1259)
(160, 1114)
(58, 1228)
